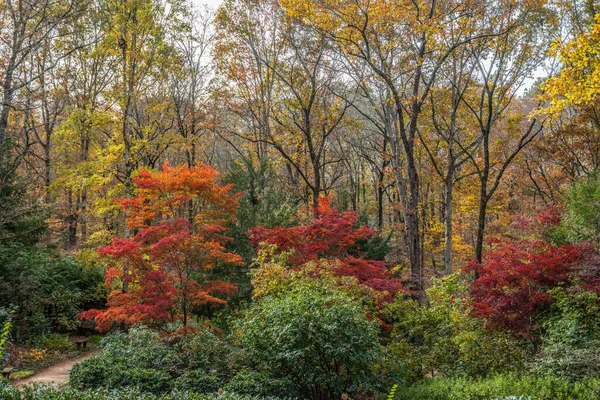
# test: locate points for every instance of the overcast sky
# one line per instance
(211, 3)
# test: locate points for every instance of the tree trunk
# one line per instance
(84, 150)
(480, 227)
(7, 96)
(71, 222)
(83, 214)
(47, 167)
(448, 210)
(411, 221)
(380, 193)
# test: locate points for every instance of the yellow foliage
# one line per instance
(578, 83)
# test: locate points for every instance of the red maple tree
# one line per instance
(334, 235)
(180, 215)
(513, 281)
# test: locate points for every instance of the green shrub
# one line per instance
(197, 381)
(128, 360)
(95, 339)
(5, 328)
(322, 342)
(581, 220)
(252, 383)
(501, 386)
(92, 373)
(142, 359)
(46, 290)
(43, 392)
(571, 337)
(204, 350)
(144, 379)
(52, 341)
(442, 339)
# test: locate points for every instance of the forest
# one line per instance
(299, 199)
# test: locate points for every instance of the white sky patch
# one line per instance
(214, 4)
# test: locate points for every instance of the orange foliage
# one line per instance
(163, 264)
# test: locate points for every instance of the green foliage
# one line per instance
(95, 339)
(581, 220)
(22, 374)
(321, 341)
(262, 202)
(377, 248)
(197, 381)
(52, 341)
(46, 289)
(443, 339)
(91, 373)
(501, 386)
(260, 384)
(125, 358)
(4, 334)
(273, 277)
(142, 359)
(21, 221)
(42, 392)
(392, 393)
(206, 351)
(144, 379)
(571, 337)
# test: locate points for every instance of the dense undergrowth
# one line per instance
(44, 392)
(509, 386)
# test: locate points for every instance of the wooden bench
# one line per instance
(6, 372)
(81, 342)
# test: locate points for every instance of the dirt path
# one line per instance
(57, 373)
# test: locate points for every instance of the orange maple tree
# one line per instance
(180, 215)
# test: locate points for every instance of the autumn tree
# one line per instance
(28, 31)
(502, 64)
(451, 139)
(369, 142)
(301, 74)
(331, 235)
(135, 38)
(85, 127)
(514, 281)
(168, 263)
(403, 45)
(189, 84)
(26, 28)
(246, 42)
(570, 99)
(576, 84)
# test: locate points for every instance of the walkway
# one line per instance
(55, 374)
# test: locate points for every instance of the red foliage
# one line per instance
(513, 282)
(331, 235)
(334, 235)
(550, 217)
(163, 264)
